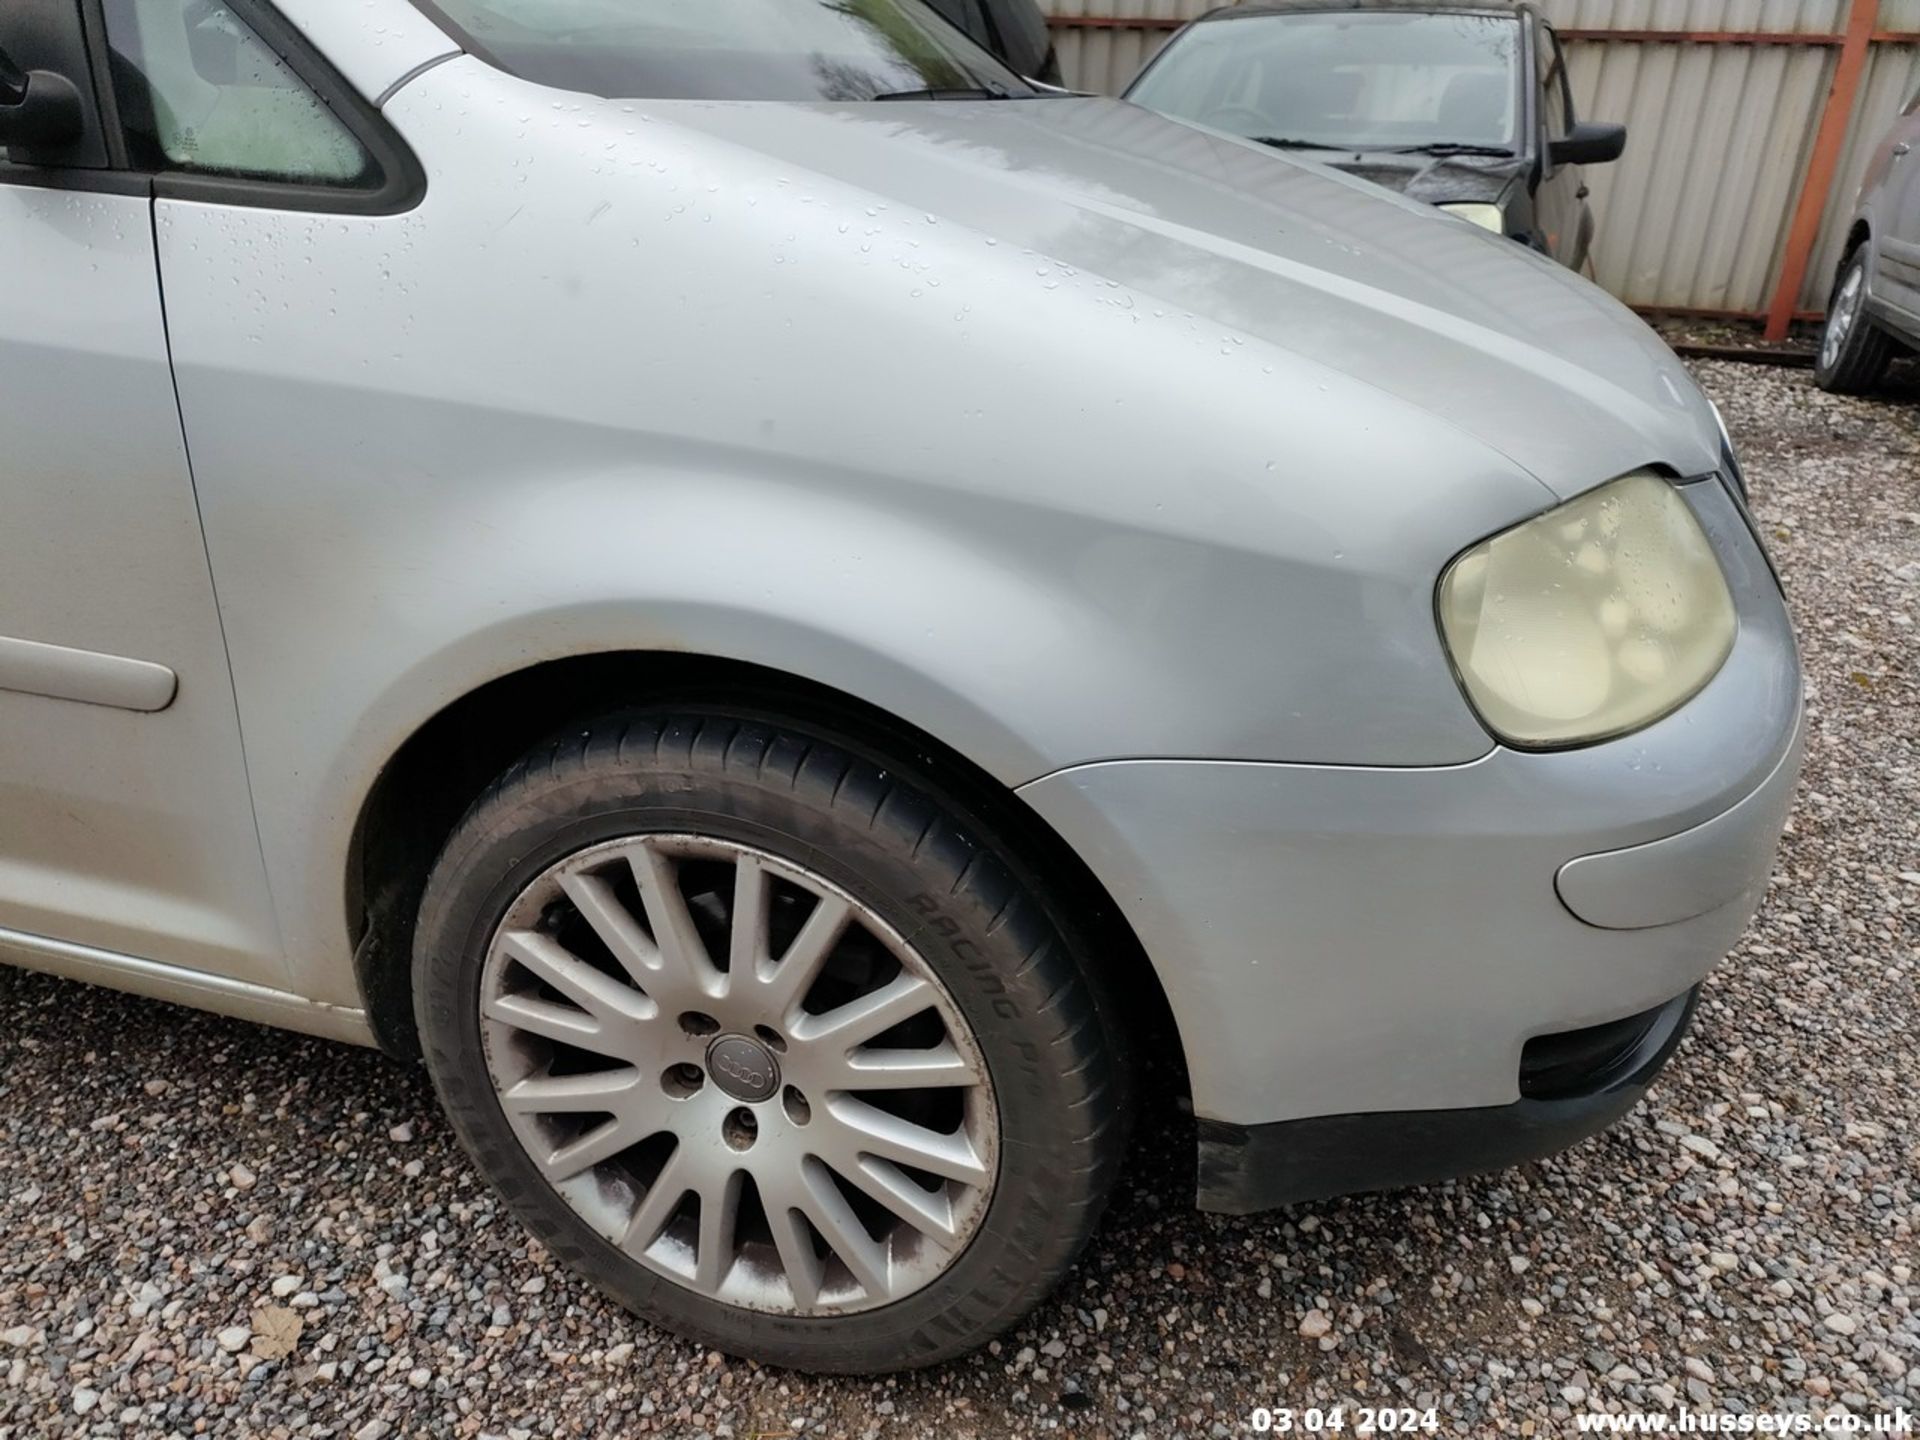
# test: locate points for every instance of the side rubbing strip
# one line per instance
(85, 675)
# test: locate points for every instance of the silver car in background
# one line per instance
(1874, 312)
(788, 611)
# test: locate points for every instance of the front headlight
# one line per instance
(1487, 217)
(1594, 619)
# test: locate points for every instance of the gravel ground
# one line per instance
(212, 1228)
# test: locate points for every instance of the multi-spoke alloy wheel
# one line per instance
(1854, 352)
(739, 1074)
(1841, 315)
(777, 1042)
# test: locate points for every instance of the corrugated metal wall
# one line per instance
(1104, 57)
(1696, 214)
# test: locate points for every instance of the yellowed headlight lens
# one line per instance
(1592, 620)
(1487, 217)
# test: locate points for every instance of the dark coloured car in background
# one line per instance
(1464, 106)
(1014, 30)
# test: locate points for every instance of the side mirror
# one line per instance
(38, 110)
(1593, 142)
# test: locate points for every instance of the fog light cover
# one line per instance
(1594, 619)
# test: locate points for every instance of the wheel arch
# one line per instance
(1859, 242)
(431, 778)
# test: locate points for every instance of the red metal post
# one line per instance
(1828, 141)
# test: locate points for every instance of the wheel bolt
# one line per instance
(699, 1024)
(683, 1080)
(740, 1129)
(795, 1104)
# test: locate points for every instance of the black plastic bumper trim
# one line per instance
(1244, 1169)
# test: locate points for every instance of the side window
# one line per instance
(1556, 101)
(200, 91)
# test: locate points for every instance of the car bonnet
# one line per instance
(1534, 362)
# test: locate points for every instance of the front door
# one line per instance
(1898, 283)
(1560, 203)
(126, 829)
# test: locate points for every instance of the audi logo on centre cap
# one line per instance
(742, 1067)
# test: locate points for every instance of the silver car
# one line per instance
(1874, 312)
(788, 610)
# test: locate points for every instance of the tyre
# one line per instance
(759, 1036)
(1854, 352)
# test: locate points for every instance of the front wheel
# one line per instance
(1854, 352)
(765, 1041)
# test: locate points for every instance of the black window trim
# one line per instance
(1542, 67)
(404, 182)
(996, 40)
(93, 35)
(1557, 74)
(1532, 124)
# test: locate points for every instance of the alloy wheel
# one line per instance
(739, 1074)
(1840, 318)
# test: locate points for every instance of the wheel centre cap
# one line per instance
(743, 1067)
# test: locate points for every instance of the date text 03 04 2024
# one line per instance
(1363, 1419)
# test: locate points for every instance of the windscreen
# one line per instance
(726, 49)
(1367, 81)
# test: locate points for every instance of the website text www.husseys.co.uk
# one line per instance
(1723, 1422)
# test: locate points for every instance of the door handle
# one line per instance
(1902, 148)
(1582, 193)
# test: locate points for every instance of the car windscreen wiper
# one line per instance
(1451, 147)
(956, 92)
(1287, 142)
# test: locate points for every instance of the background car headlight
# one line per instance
(1487, 217)
(1594, 619)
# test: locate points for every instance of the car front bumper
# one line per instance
(1247, 1168)
(1348, 942)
